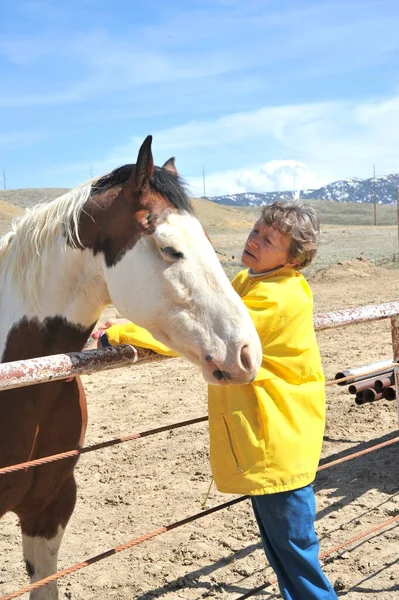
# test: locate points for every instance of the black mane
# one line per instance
(163, 181)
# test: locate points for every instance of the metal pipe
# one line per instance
(350, 316)
(62, 366)
(389, 393)
(380, 384)
(360, 373)
(359, 398)
(369, 395)
(364, 384)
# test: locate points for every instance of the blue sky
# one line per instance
(266, 95)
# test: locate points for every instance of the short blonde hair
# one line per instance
(301, 223)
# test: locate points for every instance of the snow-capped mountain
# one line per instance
(383, 189)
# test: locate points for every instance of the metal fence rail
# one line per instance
(62, 366)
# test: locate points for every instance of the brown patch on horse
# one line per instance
(113, 222)
(33, 445)
(129, 203)
(56, 510)
(51, 418)
(30, 338)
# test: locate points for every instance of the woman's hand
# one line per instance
(96, 335)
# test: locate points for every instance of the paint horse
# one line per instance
(129, 238)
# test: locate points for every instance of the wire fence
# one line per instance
(65, 367)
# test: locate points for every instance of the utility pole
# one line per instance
(91, 172)
(4, 180)
(375, 197)
(203, 181)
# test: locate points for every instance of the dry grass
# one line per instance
(347, 213)
(7, 213)
(30, 196)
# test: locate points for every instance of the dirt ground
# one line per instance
(136, 487)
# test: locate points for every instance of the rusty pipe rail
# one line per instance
(362, 314)
(351, 316)
(43, 369)
(61, 366)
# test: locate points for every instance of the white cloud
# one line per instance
(276, 148)
(274, 175)
(297, 146)
(264, 124)
(278, 175)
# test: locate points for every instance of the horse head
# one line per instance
(161, 271)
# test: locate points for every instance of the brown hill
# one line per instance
(29, 196)
(8, 212)
(213, 216)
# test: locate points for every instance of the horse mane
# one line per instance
(28, 247)
(163, 181)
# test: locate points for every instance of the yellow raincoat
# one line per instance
(265, 436)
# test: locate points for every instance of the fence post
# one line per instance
(395, 349)
(395, 337)
(396, 374)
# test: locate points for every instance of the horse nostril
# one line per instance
(219, 375)
(245, 358)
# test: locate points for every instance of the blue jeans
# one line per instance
(286, 524)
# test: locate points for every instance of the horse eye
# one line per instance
(172, 252)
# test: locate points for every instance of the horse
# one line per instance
(129, 238)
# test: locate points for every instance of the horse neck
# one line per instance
(70, 289)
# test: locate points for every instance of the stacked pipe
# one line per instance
(368, 388)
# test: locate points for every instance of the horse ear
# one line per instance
(170, 166)
(144, 165)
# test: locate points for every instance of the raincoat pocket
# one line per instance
(245, 444)
(232, 445)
